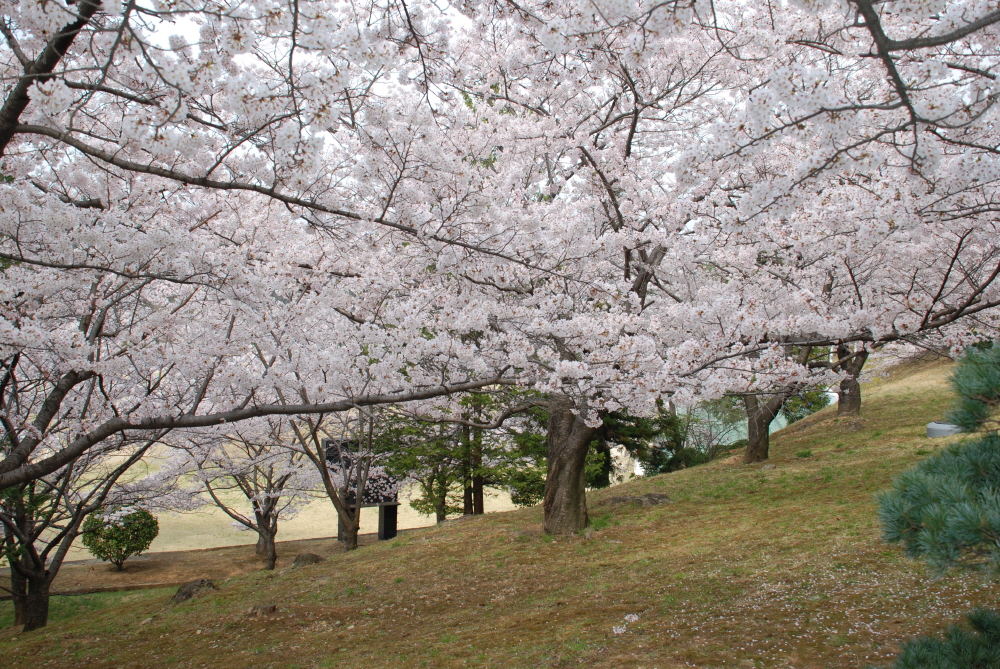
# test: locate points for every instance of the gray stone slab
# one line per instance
(937, 429)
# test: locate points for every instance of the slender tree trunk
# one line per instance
(437, 491)
(477, 476)
(441, 504)
(758, 439)
(19, 594)
(849, 394)
(35, 614)
(272, 553)
(760, 415)
(352, 529)
(467, 502)
(478, 496)
(569, 437)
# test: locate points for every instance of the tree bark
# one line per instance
(351, 537)
(17, 100)
(760, 415)
(477, 475)
(267, 531)
(478, 498)
(267, 549)
(261, 548)
(351, 529)
(35, 612)
(19, 593)
(569, 437)
(467, 505)
(272, 554)
(849, 394)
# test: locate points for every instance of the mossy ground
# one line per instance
(748, 567)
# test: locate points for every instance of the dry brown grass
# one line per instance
(747, 567)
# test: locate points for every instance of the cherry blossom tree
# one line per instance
(139, 328)
(749, 249)
(348, 461)
(248, 461)
(612, 203)
(40, 519)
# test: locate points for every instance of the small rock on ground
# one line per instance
(193, 589)
(262, 610)
(303, 559)
(649, 499)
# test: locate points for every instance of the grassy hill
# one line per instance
(747, 567)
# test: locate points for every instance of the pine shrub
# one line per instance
(961, 648)
(946, 510)
(117, 534)
(977, 383)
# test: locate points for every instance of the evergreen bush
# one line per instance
(977, 383)
(117, 534)
(961, 648)
(946, 511)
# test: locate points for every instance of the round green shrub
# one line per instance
(117, 534)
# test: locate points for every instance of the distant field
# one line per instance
(747, 567)
(210, 528)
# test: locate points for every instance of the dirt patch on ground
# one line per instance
(176, 567)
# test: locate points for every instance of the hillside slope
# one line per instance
(747, 567)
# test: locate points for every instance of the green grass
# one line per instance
(65, 608)
(747, 567)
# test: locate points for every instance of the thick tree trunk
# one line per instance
(266, 548)
(849, 398)
(351, 537)
(569, 437)
(849, 395)
(35, 613)
(272, 554)
(760, 415)
(267, 531)
(261, 548)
